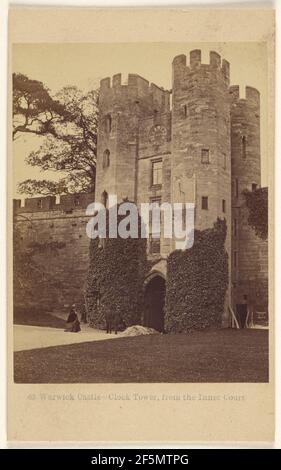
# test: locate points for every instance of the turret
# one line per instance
(201, 136)
(201, 164)
(245, 141)
(121, 107)
(247, 248)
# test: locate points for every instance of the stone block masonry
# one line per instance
(41, 220)
(198, 142)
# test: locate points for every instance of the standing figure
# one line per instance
(72, 322)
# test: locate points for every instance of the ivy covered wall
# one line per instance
(114, 288)
(197, 281)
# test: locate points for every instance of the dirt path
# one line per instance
(32, 337)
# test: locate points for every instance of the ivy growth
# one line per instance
(114, 290)
(197, 281)
(257, 204)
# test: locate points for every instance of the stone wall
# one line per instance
(124, 106)
(41, 220)
(201, 128)
(209, 145)
(249, 252)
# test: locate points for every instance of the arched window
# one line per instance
(157, 172)
(104, 198)
(205, 203)
(184, 110)
(243, 146)
(156, 117)
(205, 156)
(224, 161)
(106, 159)
(108, 123)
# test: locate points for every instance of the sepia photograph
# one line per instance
(140, 226)
(140, 212)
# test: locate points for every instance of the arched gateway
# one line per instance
(155, 289)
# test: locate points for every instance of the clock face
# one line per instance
(157, 135)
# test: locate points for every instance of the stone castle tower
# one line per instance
(204, 148)
(249, 254)
(201, 146)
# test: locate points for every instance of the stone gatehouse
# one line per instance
(198, 142)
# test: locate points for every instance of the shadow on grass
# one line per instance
(34, 317)
(202, 356)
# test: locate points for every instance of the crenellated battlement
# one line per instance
(205, 149)
(252, 95)
(132, 80)
(181, 68)
(134, 88)
(67, 202)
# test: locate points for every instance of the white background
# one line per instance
(4, 4)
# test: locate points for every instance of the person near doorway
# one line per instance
(72, 322)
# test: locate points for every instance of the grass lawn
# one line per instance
(37, 318)
(207, 356)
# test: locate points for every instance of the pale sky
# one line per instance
(83, 65)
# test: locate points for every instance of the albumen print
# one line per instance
(141, 214)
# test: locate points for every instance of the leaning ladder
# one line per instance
(234, 322)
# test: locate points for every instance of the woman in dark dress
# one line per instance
(72, 322)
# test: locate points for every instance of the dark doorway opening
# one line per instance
(154, 303)
(241, 311)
